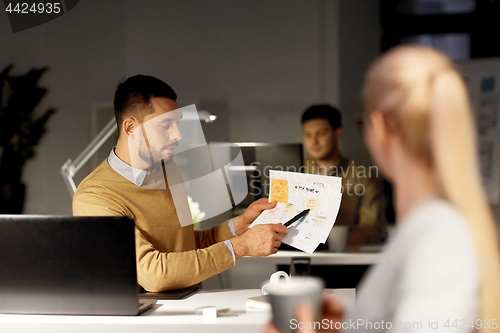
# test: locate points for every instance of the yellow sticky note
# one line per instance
(319, 221)
(289, 209)
(313, 204)
(279, 190)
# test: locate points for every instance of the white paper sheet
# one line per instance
(296, 192)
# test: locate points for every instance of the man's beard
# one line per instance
(153, 158)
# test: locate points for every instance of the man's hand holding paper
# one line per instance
(242, 222)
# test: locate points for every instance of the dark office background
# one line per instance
(255, 64)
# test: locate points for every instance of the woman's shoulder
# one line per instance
(436, 216)
(436, 233)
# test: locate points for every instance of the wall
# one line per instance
(359, 45)
(261, 62)
(84, 50)
(256, 64)
(474, 71)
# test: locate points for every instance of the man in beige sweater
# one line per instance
(169, 256)
(362, 206)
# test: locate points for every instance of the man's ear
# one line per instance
(129, 124)
(339, 133)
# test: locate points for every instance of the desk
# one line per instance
(317, 258)
(166, 316)
(251, 272)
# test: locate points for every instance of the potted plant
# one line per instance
(20, 131)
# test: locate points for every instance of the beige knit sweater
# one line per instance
(168, 256)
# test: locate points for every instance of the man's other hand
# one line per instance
(242, 222)
(262, 240)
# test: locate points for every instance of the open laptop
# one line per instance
(68, 265)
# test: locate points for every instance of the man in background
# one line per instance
(362, 207)
(133, 181)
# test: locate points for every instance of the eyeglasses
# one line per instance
(361, 121)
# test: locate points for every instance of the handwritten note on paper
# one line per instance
(289, 209)
(307, 189)
(279, 190)
(312, 204)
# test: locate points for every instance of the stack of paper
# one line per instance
(258, 302)
(296, 192)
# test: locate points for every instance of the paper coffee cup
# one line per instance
(285, 297)
(338, 238)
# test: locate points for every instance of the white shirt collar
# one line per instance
(128, 172)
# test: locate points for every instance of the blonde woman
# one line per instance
(441, 270)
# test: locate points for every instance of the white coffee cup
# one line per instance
(277, 277)
(285, 297)
(338, 238)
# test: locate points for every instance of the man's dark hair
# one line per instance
(133, 96)
(325, 111)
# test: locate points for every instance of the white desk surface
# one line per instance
(318, 258)
(166, 316)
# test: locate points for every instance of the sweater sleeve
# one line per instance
(371, 211)
(213, 235)
(159, 271)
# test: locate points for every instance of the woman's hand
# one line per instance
(332, 312)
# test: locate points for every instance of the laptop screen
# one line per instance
(67, 265)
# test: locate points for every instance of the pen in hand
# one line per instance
(296, 217)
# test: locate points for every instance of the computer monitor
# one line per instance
(259, 158)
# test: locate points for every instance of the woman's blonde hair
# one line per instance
(424, 100)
